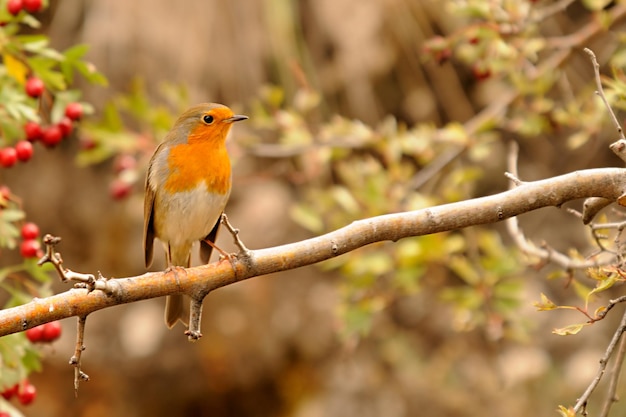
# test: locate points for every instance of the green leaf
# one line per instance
(76, 52)
(112, 119)
(572, 329)
(11, 215)
(596, 5)
(30, 20)
(604, 285)
(43, 67)
(307, 217)
(466, 298)
(39, 273)
(33, 40)
(357, 317)
(90, 73)
(67, 69)
(408, 279)
(375, 263)
(581, 289)
(345, 199)
(465, 270)
(31, 360)
(62, 99)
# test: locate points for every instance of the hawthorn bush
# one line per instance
(421, 301)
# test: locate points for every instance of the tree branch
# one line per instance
(609, 183)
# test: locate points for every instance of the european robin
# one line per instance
(187, 187)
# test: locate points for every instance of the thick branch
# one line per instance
(609, 183)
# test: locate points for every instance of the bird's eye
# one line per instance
(208, 119)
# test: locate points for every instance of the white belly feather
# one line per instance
(189, 216)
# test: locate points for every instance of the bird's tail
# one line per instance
(175, 310)
(175, 306)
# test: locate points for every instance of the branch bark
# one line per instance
(608, 183)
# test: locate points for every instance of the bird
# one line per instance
(187, 186)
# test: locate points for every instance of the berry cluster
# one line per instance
(46, 333)
(34, 87)
(50, 135)
(30, 247)
(16, 6)
(24, 391)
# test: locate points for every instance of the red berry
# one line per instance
(33, 131)
(34, 87)
(29, 248)
(66, 126)
(14, 7)
(27, 393)
(30, 231)
(8, 157)
(87, 144)
(74, 111)
(124, 162)
(24, 150)
(481, 73)
(10, 392)
(51, 331)
(443, 56)
(119, 189)
(35, 335)
(4, 414)
(52, 135)
(32, 6)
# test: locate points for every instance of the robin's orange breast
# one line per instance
(192, 163)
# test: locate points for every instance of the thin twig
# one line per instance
(88, 281)
(611, 397)
(582, 401)
(545, 252)
(612, 303)
(55, 259)
(194, 333)
(429, 171)
(243, 250)
(75, 360)
(512, 156)
(600, 92)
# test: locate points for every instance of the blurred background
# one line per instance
(276, 345)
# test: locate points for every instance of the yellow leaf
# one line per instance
(597, 273)
(545, 304)
(596, 5)
(566, 412)
(600, 310)
(581, 289)
(15, 68)
(569, 330)
(604, 285)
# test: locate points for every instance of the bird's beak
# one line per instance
(235, 118)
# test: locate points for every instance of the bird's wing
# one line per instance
(205, 248)
(148, 210)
